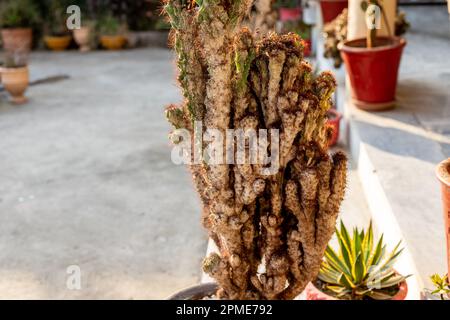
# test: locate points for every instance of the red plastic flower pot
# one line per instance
(290, 14)
(373, 72)
(334, 119)
(332, 8)
(443, 174)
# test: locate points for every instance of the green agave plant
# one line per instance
(361, 269)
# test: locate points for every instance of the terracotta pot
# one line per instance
(57, 43)
(17, 40)
(313, 293)
(82, 37)
(197, 292)
(373, 72)
(113, 42)
(334, 120)
(332, 8)
(290, 14)
(15, 81)
(443, 174)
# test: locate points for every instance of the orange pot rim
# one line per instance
(113, 36)
(397, 42)
(66, 37)
(18, 29)
(13, 70)
(443, 172)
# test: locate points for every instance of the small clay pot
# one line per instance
(313, 293)
(443, 174)
(116, 42)
(197, 292)
(57, 43)
(17, 40)
(15, 81)
(82, 37)
(334, 119)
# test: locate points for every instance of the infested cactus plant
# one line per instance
(271, 225)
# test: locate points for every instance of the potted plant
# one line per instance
(111, 32)
(443, 174)
(57, 36)
(333, 121)
(335, 33)
(360, 270)
(332, 8)
(441, 286)
(270, 220)
(289, 10)
(17, 17)
(372, 64)
(15, 76)
(83, 36)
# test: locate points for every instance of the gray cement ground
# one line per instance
(86, 179)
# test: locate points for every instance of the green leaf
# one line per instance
(345, 235)
(328, 275)
(377, 295)
(335, 262)
(346, 281)
(345, 250)
(339, 291)
(394, 280)
(367, 245)
(378, 253)
(358, 270)
(362, 291)
(356, 244)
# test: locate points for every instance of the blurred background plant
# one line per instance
(55, 24)
(19, 14)
(14, 60)
(110, 25)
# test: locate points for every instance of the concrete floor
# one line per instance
(86, 179)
